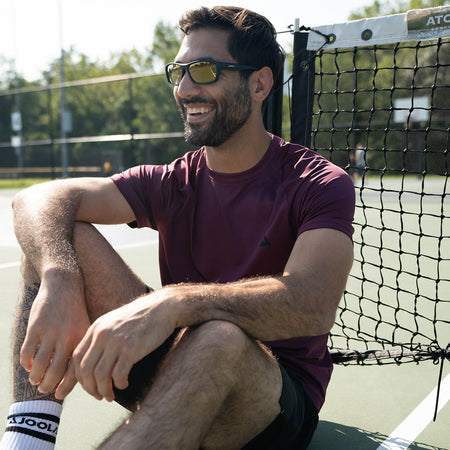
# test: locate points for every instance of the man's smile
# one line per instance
(197, 113)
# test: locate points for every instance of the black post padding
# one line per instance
(302, 91)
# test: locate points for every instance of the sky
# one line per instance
(32, 32)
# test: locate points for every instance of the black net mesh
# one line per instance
(383, 114)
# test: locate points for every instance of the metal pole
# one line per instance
(50, 130)
(18, 149)
(64, 155)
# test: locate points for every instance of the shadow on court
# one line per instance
(334, 436)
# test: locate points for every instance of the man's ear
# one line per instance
(262, 84)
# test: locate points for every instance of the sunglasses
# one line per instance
(202, 71)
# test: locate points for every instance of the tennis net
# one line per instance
(373, 96)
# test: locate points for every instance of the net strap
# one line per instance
(445, 355)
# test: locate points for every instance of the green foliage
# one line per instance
(8, 74)
(20, 183)
(138, 105)
(350, 118)
(394, 7)
(165, 44)
(145, 104)
(357, 106)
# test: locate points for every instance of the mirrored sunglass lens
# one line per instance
(203, 72)
(175, 73)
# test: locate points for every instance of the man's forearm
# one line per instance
(269, 308)
(301, 302)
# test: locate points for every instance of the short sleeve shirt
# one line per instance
(216, 227)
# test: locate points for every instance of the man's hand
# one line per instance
(114, 343)
(57, 323)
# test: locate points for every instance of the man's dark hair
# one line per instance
(252, 37)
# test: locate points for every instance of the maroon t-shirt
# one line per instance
(216, 227)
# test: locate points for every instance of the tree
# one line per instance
(166, 43)
(131, 106)
(394, 7)
(358, 104)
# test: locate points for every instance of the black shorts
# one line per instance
(292, 429)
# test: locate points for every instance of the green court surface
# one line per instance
(402, 250)
(364, 406)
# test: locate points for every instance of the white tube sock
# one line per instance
(32, 425)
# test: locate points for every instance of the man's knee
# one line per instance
(84, 236)
(223, 339)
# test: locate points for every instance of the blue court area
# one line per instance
(370, 407)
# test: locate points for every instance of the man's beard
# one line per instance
(231, 112)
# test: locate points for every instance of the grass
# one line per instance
(20, 183)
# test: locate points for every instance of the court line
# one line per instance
(118, 247)
(418, 420)
(136, 244)
(9, 265)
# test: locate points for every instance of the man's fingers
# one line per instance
(85, 360)
(67, 384)
(41, 362)
(103, 375)
(96, 364)
(120, 373)
(55, 371)
(29, 347)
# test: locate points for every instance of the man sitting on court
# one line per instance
(255, 250)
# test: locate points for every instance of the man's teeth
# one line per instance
(198, 110)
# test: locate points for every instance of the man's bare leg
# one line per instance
(216, 389)
(109, 283)
(23, 390)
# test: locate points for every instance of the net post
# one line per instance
(302, 90)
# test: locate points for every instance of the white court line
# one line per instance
(118, 247)
(418, 420)
(9, 265)
(136, 244)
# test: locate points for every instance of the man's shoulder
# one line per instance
(301, 158)
(156, 173)
(292, 150)
(191, 159)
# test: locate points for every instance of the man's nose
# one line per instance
(187, 88)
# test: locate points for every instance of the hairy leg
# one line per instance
(109, 283)
(23, 390)
(217, 389)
